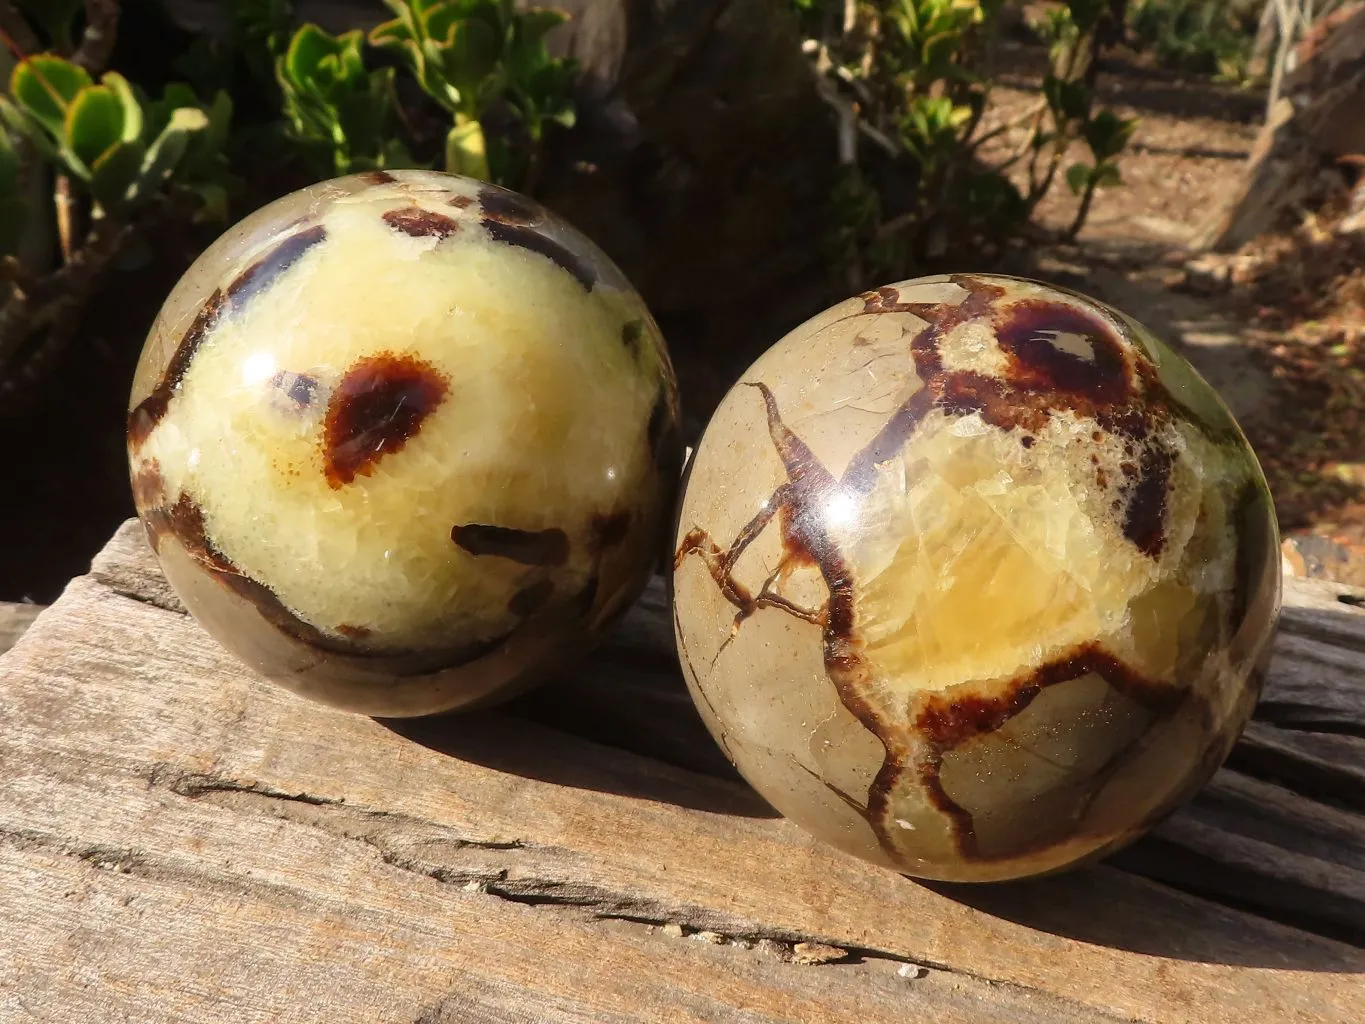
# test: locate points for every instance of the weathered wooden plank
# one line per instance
(634, 699)
(1329, 765)
(1333, 613)
(1315, 685)
(1254, 844)
(253, 908)
(283, 835)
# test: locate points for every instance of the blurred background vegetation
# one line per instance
(747, 162)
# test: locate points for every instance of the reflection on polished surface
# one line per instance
(404, 441)
(974, 577)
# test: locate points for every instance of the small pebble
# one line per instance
(811, 953)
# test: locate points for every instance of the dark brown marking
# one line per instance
(1040, 379)
(1027, 440)
(944, 720)
(528, 237)
(461, 202)
(531, 598)
(631, 333)
(354, 632)
(951, 718)
(299, 388)
(947, 720)
(185, 521)
(149, 486)
(420, 223)
(1144, 521)
(529, 547)
(1036, 364)
(608, 530)
(143, 419)
(508, 207)
(265, 271)
(663, 435)
(379, 405)
(379, 177)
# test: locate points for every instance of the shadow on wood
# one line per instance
(1082, 906)
(525, 749)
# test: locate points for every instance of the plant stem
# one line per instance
(1082, 212)
(65, 204)
(101, 30)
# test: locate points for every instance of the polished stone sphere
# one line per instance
(404, 441)
(974, 577)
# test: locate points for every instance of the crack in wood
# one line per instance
(382, 831)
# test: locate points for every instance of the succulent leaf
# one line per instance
(168, 148)
(132, 109)
(113, 174)
(94, 123)
(45, 86)
(1078, 177)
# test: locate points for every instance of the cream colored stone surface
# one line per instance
(538, 405)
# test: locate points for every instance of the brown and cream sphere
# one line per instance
(974, 577)
(404, 441)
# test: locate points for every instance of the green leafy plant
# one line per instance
(123, 149)
(335, 105)
(241, 60)
(478, 58)
(1106, 134)
(1204, 36)
(116, 162)
(910, 82)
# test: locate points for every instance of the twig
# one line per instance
(65, 204)
(828, 93)
(101, 30)
(1015, 122)
(49, 307)
(896, 224)
(848, 145)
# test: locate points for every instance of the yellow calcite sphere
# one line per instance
(404, 441)
(974, 577)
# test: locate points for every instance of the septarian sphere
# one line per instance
(404, 441)
(974, 577)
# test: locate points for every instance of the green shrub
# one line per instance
(92, 154)
(912, 77)
(123, 148)
(483, 63)
(336, 107)
(1205, 36)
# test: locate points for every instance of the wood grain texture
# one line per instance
(180, 841)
